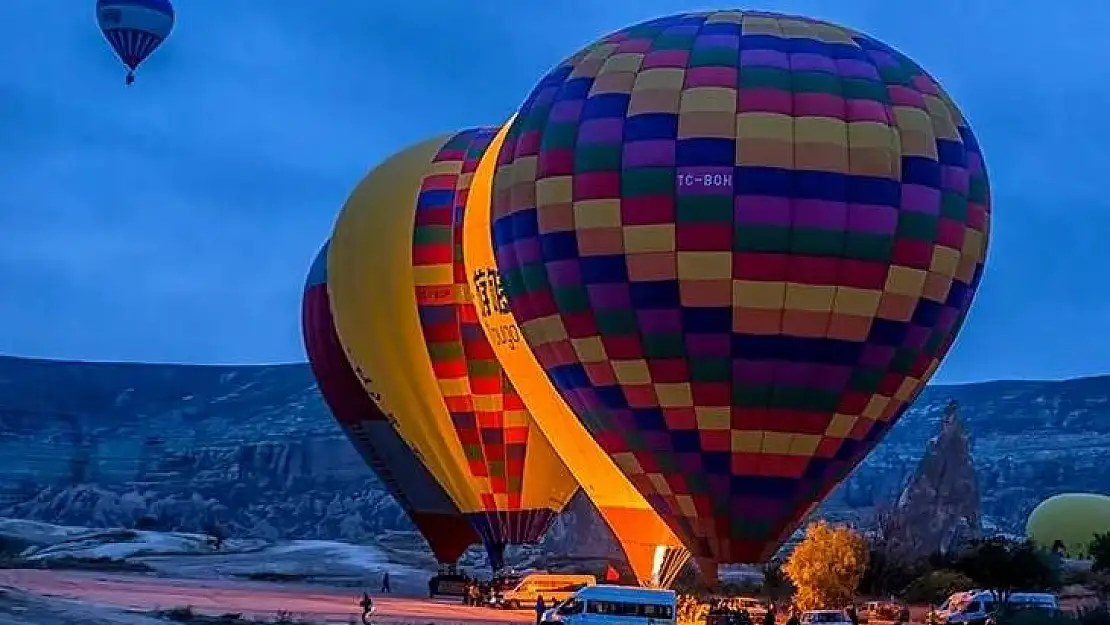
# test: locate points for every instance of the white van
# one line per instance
(612, 605)
(553, 587)
(975, 606)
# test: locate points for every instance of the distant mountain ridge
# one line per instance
(255, 448)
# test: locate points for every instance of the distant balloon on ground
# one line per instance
(1073, 519)
(134, 28)
(399, 469)
(739, 244)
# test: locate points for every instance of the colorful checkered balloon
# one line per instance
(488, 416)
(739, 244)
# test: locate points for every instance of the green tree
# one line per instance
(889, 572)
(1003, 566)
(775, 584)
(826, 567)
(1099, 550)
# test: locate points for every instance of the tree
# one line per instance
(889, 572)
(148, 523)
(1003, 566)
(826, 567)
(1100, 585)
(775, 585)
(216, 534)
(1099, 550)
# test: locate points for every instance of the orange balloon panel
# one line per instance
(653, 550)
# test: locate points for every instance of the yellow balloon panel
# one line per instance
(636, 525)
(379, 326)
(1073, 519)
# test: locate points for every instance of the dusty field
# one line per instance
(254, 599)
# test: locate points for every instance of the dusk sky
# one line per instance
(174, 221)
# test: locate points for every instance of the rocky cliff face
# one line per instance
(255, 449)
(940, 505)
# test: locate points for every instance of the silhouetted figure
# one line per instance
(385, 582)
(540, 609)
(793, 619)
(769, 618)
(367, 605)
(851, 611)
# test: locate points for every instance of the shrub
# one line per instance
(1100, 553)
(1096, 615)
(935, 586)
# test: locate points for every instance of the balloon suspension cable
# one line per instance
(130, 79)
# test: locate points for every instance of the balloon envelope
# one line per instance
(134, 28)
(653, 551)
(398, 350)
(397, 467)
(739, 244)
(1072, 518)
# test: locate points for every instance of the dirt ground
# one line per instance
(252, 599)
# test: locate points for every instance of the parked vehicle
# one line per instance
(618, 605)
(552, 587)
(974, 607)
(826, 617)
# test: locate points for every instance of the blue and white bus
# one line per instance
(617, 605)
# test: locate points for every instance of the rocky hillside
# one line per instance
(255, 449)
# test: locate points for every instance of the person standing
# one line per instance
(540, 609)
(367, 605)
(385, 583)
(769, 617)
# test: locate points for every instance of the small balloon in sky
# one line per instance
(134, 28)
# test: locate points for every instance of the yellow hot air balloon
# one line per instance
(1072, 519)
(654, 552)
(404, 338)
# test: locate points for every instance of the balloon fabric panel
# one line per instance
(486, 412)
(396, 466)
(134, 28)
(635, 525)
(739, 243)
(376, 317)
(1071, 518)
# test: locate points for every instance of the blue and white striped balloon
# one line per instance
(134, 28)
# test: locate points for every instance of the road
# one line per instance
(255, 599)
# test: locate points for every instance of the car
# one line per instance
(975, 607)
(864, 612)
(826, 617)
(884, 612)
(1026, 608)
(756, 608)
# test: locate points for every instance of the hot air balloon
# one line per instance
(739, 244)
(134, 28)
(654, 553)
(399, 469)
(413, 352)
(1071, 518)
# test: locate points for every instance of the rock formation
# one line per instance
(940, 506)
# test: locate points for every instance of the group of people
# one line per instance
(476, 593)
